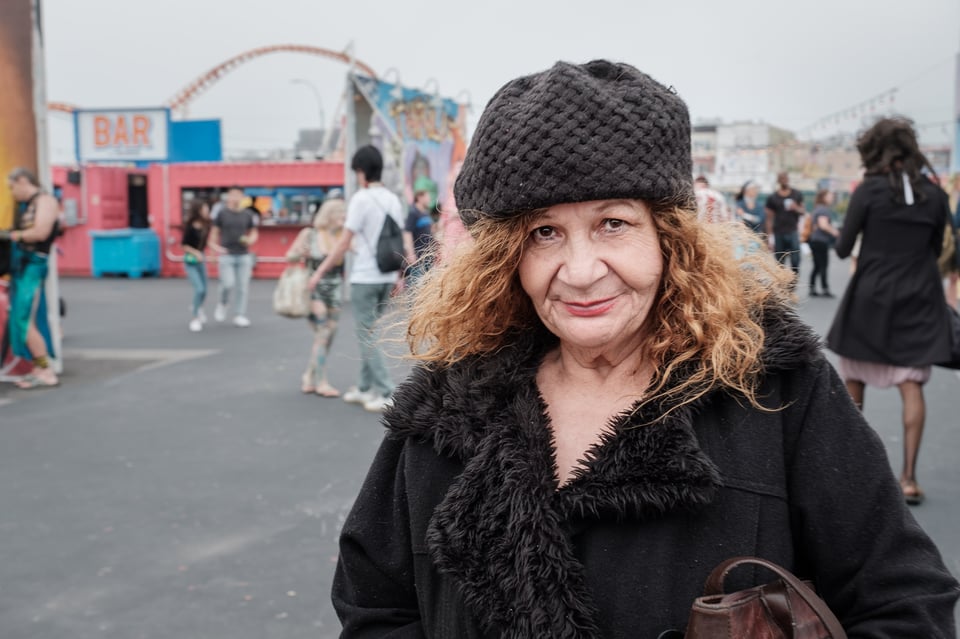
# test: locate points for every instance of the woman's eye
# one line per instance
(542, 233)
(612, 224)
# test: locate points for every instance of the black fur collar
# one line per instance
(499, 530)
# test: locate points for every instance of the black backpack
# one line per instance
(390, 244)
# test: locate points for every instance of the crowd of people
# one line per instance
(780, 221)
(890, 327)
(336, 230)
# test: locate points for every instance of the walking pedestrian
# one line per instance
(610, 403)
(312, 246)
(196, 232)
(370, 287)
(892, 323)
(418, 236)
(784, 209)
(35, 227)
(749, 209)
(823, 235)
(234, 232)
(711, 205)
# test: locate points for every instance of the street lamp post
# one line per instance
(323, 115)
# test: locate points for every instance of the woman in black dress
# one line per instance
(891, 325)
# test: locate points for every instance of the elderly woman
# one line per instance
(610, 404)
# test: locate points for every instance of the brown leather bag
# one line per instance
(785, 609)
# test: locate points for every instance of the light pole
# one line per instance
(323, 115)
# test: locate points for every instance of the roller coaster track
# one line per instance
(61, 107)
(203, 82)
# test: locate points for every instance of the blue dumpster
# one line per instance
(131, 252)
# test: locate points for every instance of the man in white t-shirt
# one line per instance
(370, 288)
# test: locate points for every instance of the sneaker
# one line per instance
(196, 325)
(241, 321)
(814, 294)
(220, 313)
(378, 404)
(357, 396)
(201, 316)
(827, 294)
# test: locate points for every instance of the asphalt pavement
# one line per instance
(179, 485)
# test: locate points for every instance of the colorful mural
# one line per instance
(422, 136)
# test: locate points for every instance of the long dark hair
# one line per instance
(194, 214)
(890, 147)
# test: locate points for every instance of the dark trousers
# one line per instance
(821, 258)
(786, 246)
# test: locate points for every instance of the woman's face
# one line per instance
(205, 212)
(592, 270)
(752, 192)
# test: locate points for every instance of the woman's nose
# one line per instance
(582, 264)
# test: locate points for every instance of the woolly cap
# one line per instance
(576, 133)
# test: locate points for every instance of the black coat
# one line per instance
(460, 531)
(893, 310)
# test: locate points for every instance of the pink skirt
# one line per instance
(882, 375)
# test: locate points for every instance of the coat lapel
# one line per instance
(499, 535)
(649, 466)
(502, 530)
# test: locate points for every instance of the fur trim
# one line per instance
(788, 342)
(497, 533)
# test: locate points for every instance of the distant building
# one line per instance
(704, 147)
(309, 143)
(730, 154)
(939, 156)
(747, 151)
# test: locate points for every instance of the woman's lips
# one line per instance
(591, 308)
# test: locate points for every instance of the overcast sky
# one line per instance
(786, 63)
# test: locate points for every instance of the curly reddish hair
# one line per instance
(707, 316)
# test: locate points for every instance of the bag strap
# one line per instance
(714, 586)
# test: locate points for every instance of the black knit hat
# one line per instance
(576, 133)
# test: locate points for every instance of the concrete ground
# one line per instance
(179, 485)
